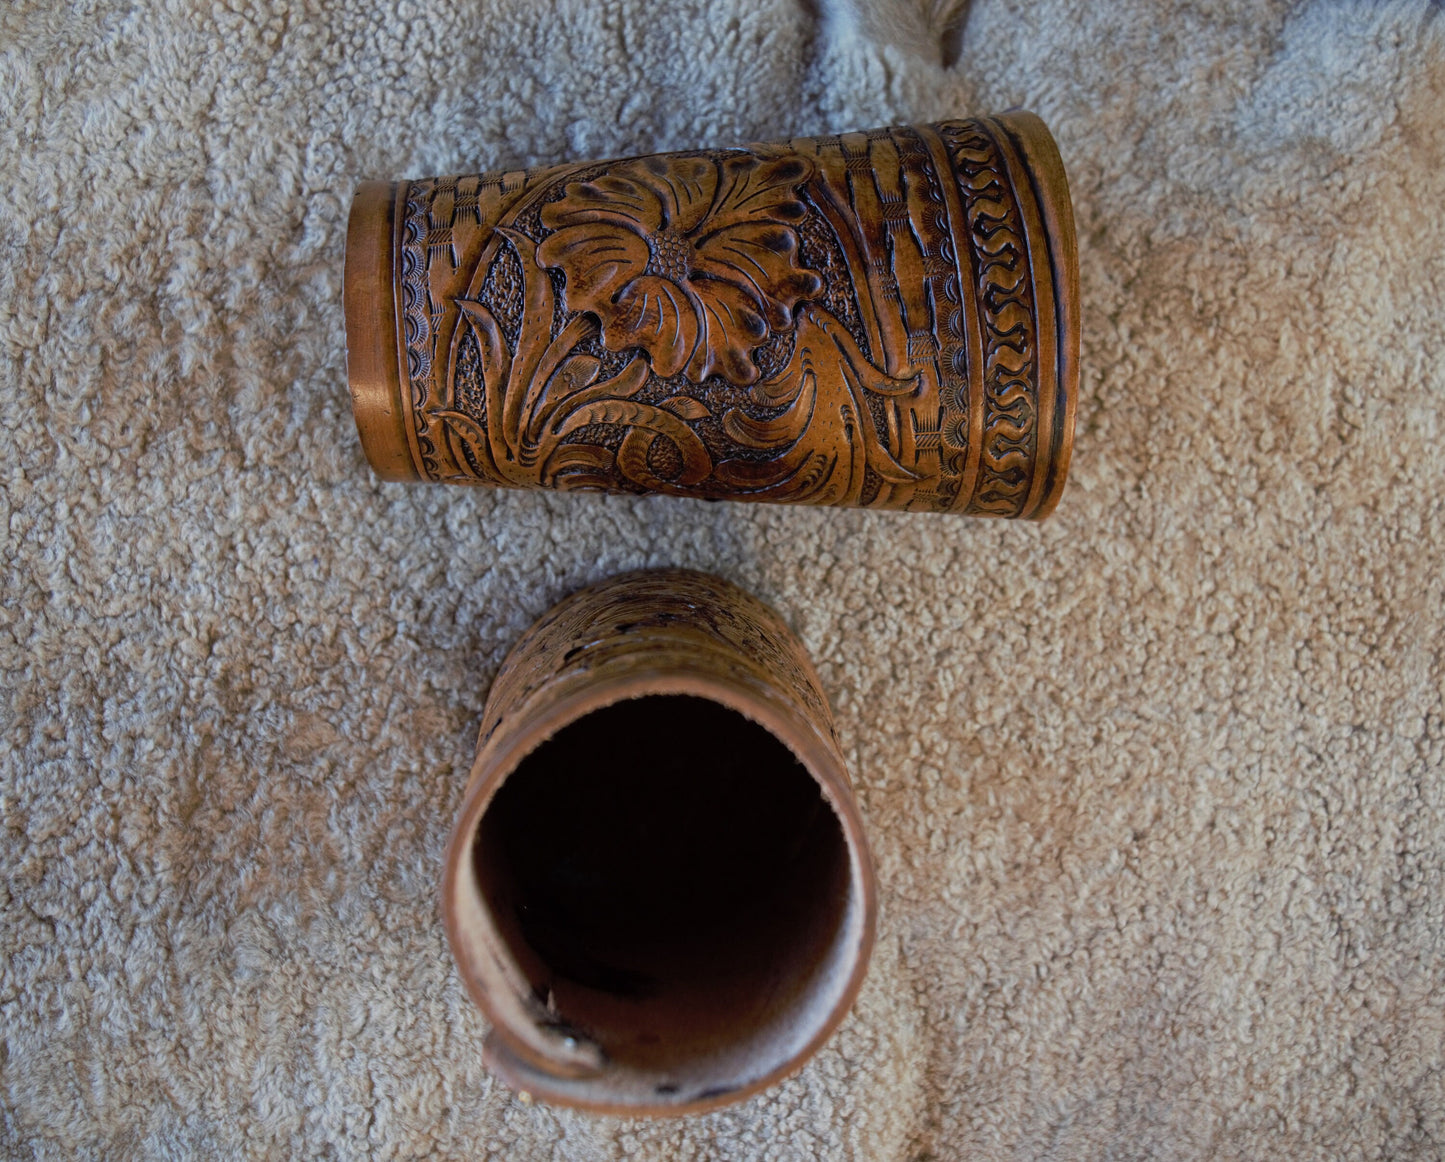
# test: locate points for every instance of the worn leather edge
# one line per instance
(372, 366)
(1050, 187)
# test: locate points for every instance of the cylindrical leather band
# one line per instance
(885, 319)
(564, 1027)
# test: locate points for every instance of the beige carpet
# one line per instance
(1157, 787)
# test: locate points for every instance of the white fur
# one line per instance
(1155, 787)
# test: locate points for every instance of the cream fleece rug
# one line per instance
(1157, 787)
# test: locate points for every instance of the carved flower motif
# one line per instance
(691, 259)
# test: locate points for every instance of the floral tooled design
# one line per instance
(691, 259)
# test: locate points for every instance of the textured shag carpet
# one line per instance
(1156, 787)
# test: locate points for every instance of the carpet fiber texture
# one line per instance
(1156, 787)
